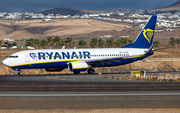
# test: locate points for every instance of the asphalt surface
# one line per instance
(68, 78)
(88, 100)
(85, 92)
(55, 78)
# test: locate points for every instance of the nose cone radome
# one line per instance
(5, 62)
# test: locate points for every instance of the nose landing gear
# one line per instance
(19, 73)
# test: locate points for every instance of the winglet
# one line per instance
(63, 47)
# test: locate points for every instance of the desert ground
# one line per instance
(163, 60)
(78, 29)
(93, 111)
(25, 29)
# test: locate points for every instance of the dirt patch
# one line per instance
(92, 111)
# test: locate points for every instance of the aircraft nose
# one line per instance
(5, 62)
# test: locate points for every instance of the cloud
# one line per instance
(42, 5)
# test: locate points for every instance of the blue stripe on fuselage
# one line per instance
(64, 64)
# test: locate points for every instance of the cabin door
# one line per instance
(27, 58)
(135, 53)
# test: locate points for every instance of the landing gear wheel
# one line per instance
(76, 72)
(19, 73)
(91, 71)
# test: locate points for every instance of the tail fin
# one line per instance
(145, 38)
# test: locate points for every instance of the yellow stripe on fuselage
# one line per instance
(52, 61)
(71, 60)
(133, 57)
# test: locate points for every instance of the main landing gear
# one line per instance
(76, 72)
(91, 71)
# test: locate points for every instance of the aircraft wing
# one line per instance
(109, 60)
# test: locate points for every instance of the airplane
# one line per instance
(77, 60)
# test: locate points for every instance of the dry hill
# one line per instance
(39, 29)
(76, 28)
(65, 11)
(70, 11)
(172, 7)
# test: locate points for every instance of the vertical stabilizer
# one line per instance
(145, 38)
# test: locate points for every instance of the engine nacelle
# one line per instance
(77, 66)
(54, 69)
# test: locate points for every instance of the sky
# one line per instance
(43, 5)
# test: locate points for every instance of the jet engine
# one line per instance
(77, 66)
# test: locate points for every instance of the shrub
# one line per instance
(112, 77)
(164, 80)
(154, 79)
(105, 77)
(118, 78)
(171, 80)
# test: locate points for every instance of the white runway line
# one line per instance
(76, 95)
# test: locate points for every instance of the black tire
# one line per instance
(91, 71)
(19, 73)
(76, 72)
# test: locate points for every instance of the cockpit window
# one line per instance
(13, 56)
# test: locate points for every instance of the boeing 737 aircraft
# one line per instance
(78, 60)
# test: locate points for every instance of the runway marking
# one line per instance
(76, 95)
(69, 79)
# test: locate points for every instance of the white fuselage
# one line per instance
(59, 55)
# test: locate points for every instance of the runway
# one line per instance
(81, 92)
(89, 100)
(85, 82)
(90, 94)
(68, 78)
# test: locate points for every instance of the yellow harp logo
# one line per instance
(148, 34)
